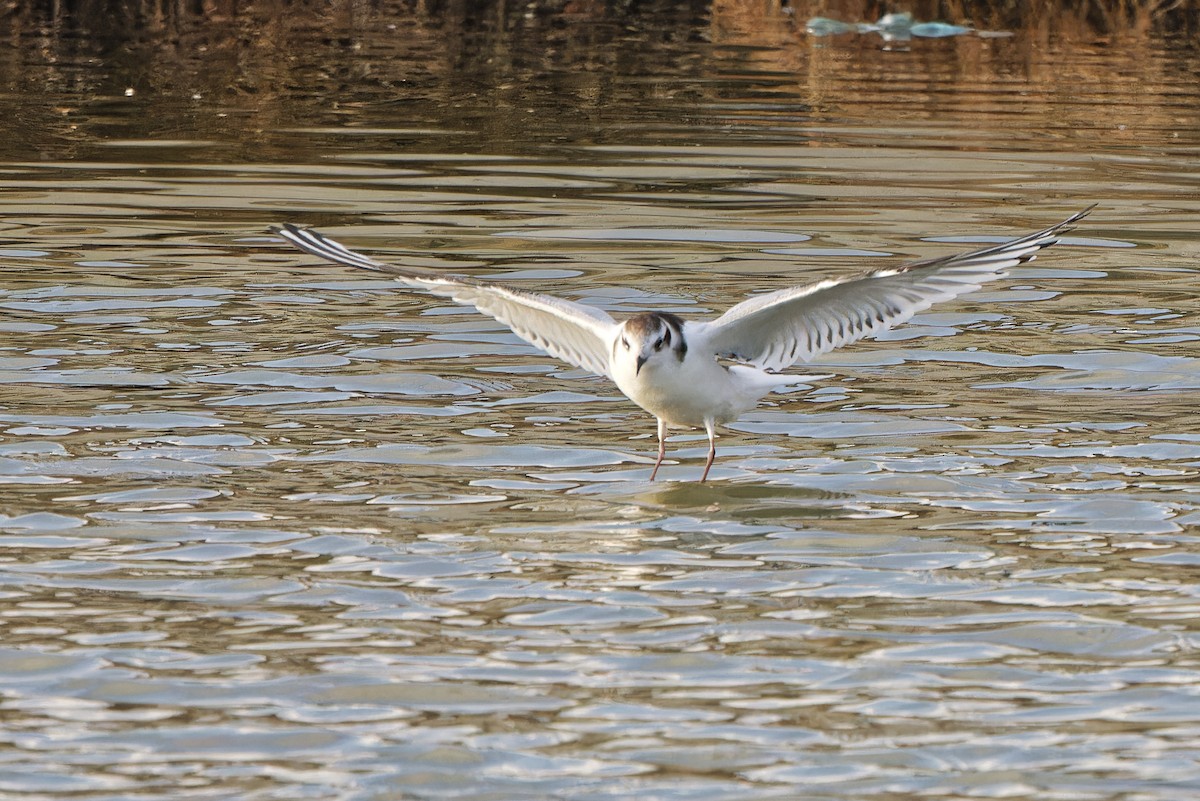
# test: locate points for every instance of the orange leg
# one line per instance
(712, 447)
(662, 447)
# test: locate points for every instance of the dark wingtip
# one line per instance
(1079, 215)
(1069, 223)
(290, 234)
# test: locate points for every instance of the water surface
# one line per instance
(275, 529)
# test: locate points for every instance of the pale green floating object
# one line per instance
(823, 26)
(902, 21)
(898, 26)
(937, 30)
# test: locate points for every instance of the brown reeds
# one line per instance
(1100, 16)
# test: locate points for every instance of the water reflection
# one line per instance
(276, 529)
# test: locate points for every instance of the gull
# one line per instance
(705, 374)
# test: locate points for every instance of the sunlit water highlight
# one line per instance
(274, 529)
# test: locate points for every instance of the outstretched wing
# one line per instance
(573, 332)
(775, 330)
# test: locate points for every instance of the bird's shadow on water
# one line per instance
(728, 499)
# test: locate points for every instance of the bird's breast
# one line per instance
(688, 392)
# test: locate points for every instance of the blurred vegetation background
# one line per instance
(132, 18)
(236, 70)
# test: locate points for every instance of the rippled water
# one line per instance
(275, 529)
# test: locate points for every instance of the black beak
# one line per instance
(640, 361)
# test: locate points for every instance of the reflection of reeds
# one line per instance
(1066, 65)
(239, 70)
(1106, 15)
(108, 17)
(1070, 16)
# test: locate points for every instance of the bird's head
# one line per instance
(650, 338)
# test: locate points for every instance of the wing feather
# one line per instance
(775, 330)
(577, 334)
